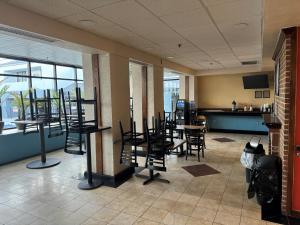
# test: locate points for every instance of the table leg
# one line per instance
(43, 163)
(91, 182)
(42, 140)
(182, 152)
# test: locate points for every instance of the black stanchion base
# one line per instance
(85, 185)
(38, 164)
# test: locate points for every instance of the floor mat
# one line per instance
(223, 139)
(200, 170)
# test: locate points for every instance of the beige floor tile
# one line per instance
(189, 199)
(183, 209)
(142, 221)
(118, 204)
(106, 214)
(204, 214)
(175, 219)
(252, 213)
(171, 195)
(208, 203)
(135, 209)
(123, 219)
(227, 219)
(196, 221)
(93, 221)
(155, 214)
(230, 209)
(51, 196)
(249, 221)
(165, 204)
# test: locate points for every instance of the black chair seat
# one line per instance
(135, 141)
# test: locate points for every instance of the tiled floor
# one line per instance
(51, 197)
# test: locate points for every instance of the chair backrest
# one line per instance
(192, 134)
(75, 119)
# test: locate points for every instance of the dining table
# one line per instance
(181, 128)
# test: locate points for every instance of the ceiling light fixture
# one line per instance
(87, 23)
(170, 57)
(241, 25)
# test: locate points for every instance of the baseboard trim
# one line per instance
(239, 131)
(118, 179)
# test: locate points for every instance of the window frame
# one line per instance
(30, 77)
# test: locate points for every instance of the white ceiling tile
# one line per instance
(158, 26)
(86, 15)
(206, 38)
(236, 11)
(49, 8)
(195, 19)
(167, 7)
(124, 10)
(236, 36)
(92, 4)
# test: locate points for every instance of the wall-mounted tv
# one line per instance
(256, 81)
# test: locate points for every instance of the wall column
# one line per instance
(88, 94)
(115, 107)
(193, 89)
(184, 87)
(155, 89)
(137, 94)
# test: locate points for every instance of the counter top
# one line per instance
(239, 112)
(271, 121)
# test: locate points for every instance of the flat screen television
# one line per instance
(256, 81)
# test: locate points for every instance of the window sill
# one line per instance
(10, 131)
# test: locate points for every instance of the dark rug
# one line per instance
(200, 170)
(223, 139)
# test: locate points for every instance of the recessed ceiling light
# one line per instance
(241, 25)
(87, 23)
(170, 57)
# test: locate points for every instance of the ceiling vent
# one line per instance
(247, 63)
(26, 34)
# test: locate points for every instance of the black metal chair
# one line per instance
(157, 148)
(133, 139)
(201, 120)
(73, 116)
(195, 141)
(45, 108)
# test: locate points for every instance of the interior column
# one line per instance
(184, 87)
(137, 94)
(115, 107)
(155, 89)
(193, 89)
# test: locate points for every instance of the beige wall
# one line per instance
(220, 90)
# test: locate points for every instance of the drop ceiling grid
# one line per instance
(178, 33)
(126, 25)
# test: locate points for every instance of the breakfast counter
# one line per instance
(239, 121)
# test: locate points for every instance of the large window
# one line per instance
(21, 75)
(171, 94)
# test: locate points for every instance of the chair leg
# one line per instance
(202, 151)
(198, 153)
(186, 152)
